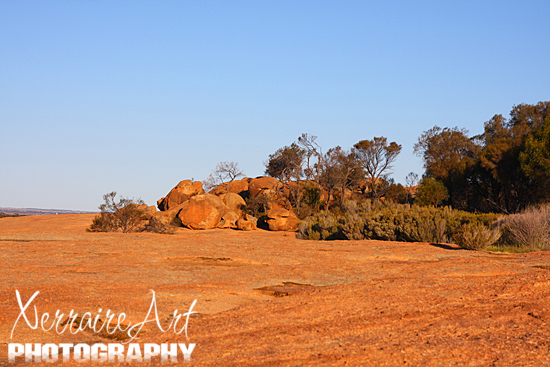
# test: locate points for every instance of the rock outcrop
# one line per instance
(236, 187)
(248, 223)
(263, 185)
(229, 220)
(234, 202)
(187, 205)
(180, 194)
(148, 211)
(281, 219)
(170, 215)
(202, 212)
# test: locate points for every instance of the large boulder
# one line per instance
(247, 223)
(190, 187)
(229, 220)
(281, 219)
(180, 194)
(170, 215)
(161, 222)
(234, 202)
(148, 211)
(202, 212)
(236, 187)
(263, 185)
(165, 217)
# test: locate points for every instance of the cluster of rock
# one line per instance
(188, 205)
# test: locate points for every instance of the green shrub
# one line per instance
(431, 192)
(257, 206)
(312, 196)
(390, 222)
(323, 226)
(396, 193)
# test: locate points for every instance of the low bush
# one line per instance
(126, 215)
(476, 236)
(393, 222)
(160, 225)
(323, 226)
(528, 230)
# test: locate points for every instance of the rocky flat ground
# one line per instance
(268, 299)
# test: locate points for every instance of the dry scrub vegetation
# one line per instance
(127, 215)
(525, 231)
(401, 222)
(528, 230)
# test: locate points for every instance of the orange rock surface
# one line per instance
(269, 299)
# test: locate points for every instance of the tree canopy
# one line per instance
(504, 169)
(376, 157)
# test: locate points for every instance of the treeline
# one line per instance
(317, 180)
(503, 170)
(5, 215)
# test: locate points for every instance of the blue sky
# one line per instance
(134, 96)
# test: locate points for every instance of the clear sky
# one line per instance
(134, 96)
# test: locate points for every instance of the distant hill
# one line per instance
(34, 211)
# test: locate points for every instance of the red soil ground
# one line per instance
(269, 299)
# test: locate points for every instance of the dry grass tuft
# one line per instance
(529, 230)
